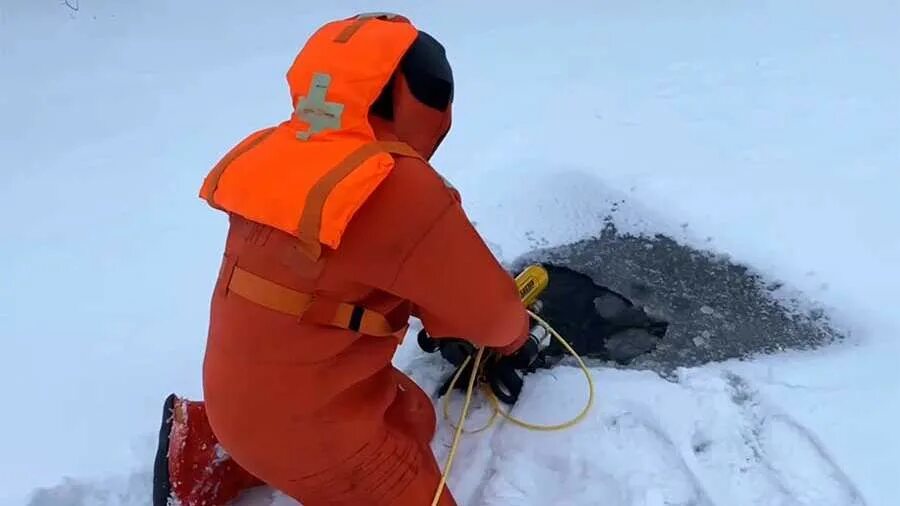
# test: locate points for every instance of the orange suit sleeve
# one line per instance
(459, 289)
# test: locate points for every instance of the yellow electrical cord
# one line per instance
(459, 426)
(494, 412)
(495, 404)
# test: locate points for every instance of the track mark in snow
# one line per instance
(621, 456)
(800, 461)
(647, 433)
(750, 453)
(724, 449)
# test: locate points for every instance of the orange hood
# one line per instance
(309, 175)
(365, 77)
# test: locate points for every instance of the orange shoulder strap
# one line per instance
(311, 220)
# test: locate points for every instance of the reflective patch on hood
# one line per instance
(315, 110)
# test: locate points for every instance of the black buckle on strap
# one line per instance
(356, 318)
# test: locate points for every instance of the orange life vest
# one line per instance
(309, 175)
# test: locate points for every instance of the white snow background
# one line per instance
(767, 130)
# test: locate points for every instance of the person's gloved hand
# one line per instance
(453, 350)
(505, 378)
(526, 355)
(503, 372)
(456, 351)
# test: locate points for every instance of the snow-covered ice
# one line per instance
(768, 131)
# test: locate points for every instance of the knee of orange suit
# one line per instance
(394, 471)
(412, 411)
(421, 490)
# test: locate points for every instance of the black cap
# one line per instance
(428, 73)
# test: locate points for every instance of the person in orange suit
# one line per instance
(339, 231)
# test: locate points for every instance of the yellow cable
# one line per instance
(495, 403)
(459, 428)
(587, 374)
(486, 426)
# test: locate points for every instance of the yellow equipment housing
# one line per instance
(531, 282)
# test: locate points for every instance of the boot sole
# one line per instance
(162, 488)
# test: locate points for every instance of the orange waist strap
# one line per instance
(308, 307)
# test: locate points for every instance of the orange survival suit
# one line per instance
(339, 232)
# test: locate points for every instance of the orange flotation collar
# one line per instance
(309, 175)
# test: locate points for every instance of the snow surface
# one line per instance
(769, 131)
